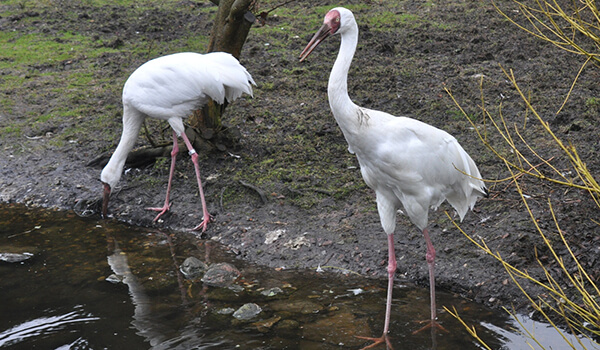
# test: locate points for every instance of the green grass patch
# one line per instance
(38, 49)
(11, 130)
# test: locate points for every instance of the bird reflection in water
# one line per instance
(152, 326)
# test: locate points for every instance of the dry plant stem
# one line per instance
(589, 183)
(573, 85)
(471, 330)
(574, 299)
(513, 179)
(545, 25)
(567, 307)
(551, 23)
(553, 287)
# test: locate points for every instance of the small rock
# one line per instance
(247, 312)
(16, 254)
(192, 267)
(220, 275)
(272, 236)
(271, 292)
(299, 242)
(225, 311)
(15, 257)
(287, 325)
(264, 326)
(356, 291)
(236, 288)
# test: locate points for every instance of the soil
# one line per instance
(286, 193)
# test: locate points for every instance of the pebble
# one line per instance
(247, 312)
(193, 267)
(220, 275)
(15, 257)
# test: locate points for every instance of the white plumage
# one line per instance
(406, 162)
(170, 88)
(173, 86)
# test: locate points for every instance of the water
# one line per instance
(95, 284)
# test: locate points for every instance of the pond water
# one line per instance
(79, 283)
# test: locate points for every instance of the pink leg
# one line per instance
(167, 204)
(194, 155)
(391, 274)
(430, 257)
(388, 306)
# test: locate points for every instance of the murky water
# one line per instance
(91, 284)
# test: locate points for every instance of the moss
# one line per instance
(16, 130)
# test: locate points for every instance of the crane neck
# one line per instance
(344, 110)
(132, 123)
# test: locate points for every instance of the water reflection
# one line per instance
(93, 284)
(148, 326)
(42, 326)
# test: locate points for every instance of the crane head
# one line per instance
(331, 25)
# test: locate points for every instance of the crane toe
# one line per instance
(162, 210)
(377, 341)
(204, 224)
(431, 324)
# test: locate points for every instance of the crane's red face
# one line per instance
(331, 24)
(105, 197)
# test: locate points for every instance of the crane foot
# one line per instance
(162, 210)
(377, 341)
(431, 324)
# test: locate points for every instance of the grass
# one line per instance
(593, 105)
(39, 68)
(55, 71)
(37, 50)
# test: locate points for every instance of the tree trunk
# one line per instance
(230, 30)
(231, 27)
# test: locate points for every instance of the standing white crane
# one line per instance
(170, 88)
(404, 160)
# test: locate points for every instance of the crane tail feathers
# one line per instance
(231, 78)
(471, 186)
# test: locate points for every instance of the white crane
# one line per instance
(403, 160)
(170, 88)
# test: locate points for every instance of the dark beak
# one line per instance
(105, 197)
(323, 33)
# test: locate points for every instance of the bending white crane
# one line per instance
(404, 160)
(170, 88)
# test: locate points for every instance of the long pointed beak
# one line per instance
(319, 36)
(105, 197)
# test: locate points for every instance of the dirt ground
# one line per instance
(316, 210)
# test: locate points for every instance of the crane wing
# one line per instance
(422, 165)
(174, 85)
